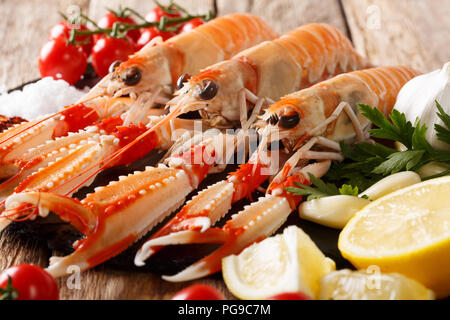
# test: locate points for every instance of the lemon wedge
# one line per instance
(372, 285)
(288, 262)
(407, 231)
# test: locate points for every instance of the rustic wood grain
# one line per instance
(24, 28)
(107, 283)
(411, 32)
(286, 15)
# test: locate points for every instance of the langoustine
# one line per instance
(153, 70)
(321, 115)
(148, 78)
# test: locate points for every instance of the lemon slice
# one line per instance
(288, 262)
(407, 231)
(360, 285)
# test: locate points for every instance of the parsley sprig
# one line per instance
(320, 189)
(367, 163)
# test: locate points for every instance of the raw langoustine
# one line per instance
(148, 78)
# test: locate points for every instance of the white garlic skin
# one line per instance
(417, 100)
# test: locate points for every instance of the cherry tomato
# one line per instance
(191, 24)
(156, 13)
(31, 282)
(63, 28)
(62, 61)
(107, 50)
(108, 20)
(148, 34)
(290, 296)
(198, 292)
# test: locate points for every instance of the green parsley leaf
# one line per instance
(304, 190)
(399, 130)
(442, 133)
(399, 161)
(347, 189)
(327, 188)
(320, 189)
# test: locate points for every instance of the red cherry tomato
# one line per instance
(31, 282)
(290, 296)
(198, 292)
(62, 61)
(107, 50)
(148, 34)
(191, 24)
(108, 20)
(156, 13)
(63, 28)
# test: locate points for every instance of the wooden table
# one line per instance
(411, 32)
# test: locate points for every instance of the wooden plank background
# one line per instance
(411, 32)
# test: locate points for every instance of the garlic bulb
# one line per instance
(417, 100)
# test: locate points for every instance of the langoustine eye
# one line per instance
(114, 65)
(182, 79)
(289, 121)
(209, 90)
(132, 76)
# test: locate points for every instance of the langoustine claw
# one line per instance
(115, 216)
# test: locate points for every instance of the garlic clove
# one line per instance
(391, 183)
(417, 100)
(334, 211)
(400, 146)
(432, 168)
